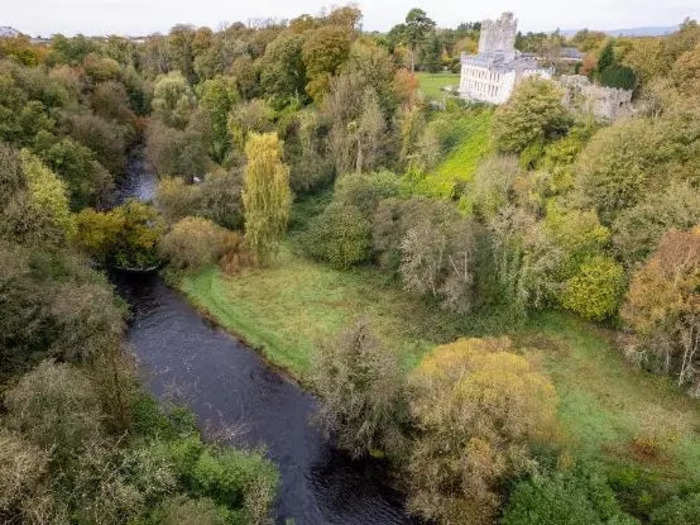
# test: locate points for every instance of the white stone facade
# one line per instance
(492, 74)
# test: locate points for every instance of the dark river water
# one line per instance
(228, 386)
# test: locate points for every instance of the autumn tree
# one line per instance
(266, 195)
(477, 407)
(663, 307)
(324, 50)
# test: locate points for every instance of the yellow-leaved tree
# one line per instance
(477, 406)
(266, 195)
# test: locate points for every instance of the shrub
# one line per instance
(580, 496)
(360, 384)
(365, 191)
(55, 405)
(194, 243)
(24, 467)
(243, 480)
(492, 185)
(678, 511)
(596, 289)
(533, 113)
(340, 235)
(126, 236)
(476, 407)
(183, 510)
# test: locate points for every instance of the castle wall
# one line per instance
(603, 102)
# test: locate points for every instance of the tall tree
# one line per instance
(266, 195)
(418, 25)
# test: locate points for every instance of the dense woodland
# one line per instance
(312, 137)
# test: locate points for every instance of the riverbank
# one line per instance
(608, 410)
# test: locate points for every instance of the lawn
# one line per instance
(431, 84)
(607, 409)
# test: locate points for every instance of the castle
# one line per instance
(492, 74)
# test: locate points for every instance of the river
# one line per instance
(228, 386)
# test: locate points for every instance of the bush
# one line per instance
(238, 479)
(678, 511)
(56, 406)
(25, 467)
(596, 289)
(361, 387)
(194, 243)
(477, 406)
(580, 496)
(340, 235)
(492, 185)
(365, 191)
(533, 113)
(182, 510)
(126, 236)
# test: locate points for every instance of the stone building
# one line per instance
(491, 74)
(607, 103)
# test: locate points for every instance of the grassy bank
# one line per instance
(459, 165)
(607, 409)
(431, 84)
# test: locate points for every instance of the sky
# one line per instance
(139, 17)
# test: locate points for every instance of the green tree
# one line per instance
(417, 26)
(282, 69)
(266, 195)
(217, 96)
(173, 100)
(533, 113)
(580, 496)
(596, 289)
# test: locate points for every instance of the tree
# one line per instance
(533, 113)
(615, 169)
(360, 383)
(217, 96)
(324, 50)
(194, 242)
(418, 25)
(340, 235)
(663, 308)
(579, 496)
(282, 72)
(173, 100)
(266, 195)
(477, 407)
(596, 289)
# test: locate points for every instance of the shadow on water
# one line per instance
(227, 385)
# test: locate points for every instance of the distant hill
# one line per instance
(632, 31)
(8, 31)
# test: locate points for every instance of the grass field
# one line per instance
(431, 84)
(607, 409)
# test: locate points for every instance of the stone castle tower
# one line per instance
(499, 35)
